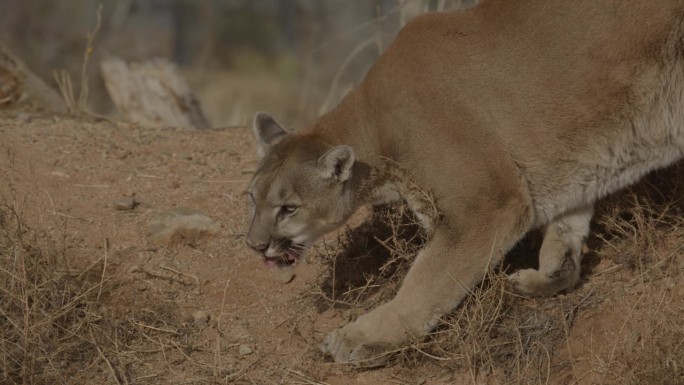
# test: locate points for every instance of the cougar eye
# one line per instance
(288, 209)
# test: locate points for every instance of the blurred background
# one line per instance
(293, 58)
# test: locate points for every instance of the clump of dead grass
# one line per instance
(651, 351)
(634, 225)
(642, 231)
(369, 261)
(41, 308)
(63, 79)
(61, 323)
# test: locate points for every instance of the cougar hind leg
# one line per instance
(559, 257)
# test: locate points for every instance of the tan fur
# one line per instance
(510, 116)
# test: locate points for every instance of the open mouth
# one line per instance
(289, 257)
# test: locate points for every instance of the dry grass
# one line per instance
(369, 261)
(635, 224)
(44, 309)
(642, 231)
(66, 324)
(53, 324)
(496, 334)
(63, 79)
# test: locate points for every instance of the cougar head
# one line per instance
(300, 191)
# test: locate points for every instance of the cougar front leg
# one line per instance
(443, 273)
(559, 257)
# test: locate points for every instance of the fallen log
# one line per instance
(152, 93)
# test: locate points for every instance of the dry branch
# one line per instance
(152, 93)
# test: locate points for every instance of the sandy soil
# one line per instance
(218, 316)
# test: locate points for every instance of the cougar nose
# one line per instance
(259, 246)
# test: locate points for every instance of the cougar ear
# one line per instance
(337, 163)
(266, 131)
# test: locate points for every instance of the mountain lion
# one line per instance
(489, 122)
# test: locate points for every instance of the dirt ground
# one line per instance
(122, 308)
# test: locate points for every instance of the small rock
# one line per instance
(59, 174)
(201, 318)
(24, 117)
(209, 334)
(285, 275)
(127, 203)
(669, 282)
(245, 350)
(122, 154)
(182, 224)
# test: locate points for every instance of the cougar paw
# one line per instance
(527, 282)
(533, 283)
(347, 345)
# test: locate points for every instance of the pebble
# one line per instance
(285, 276)
(60, 174)
(24, 117)
(127, 203)
(181, 223)
(245, 350)
(201, 318)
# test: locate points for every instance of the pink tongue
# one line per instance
(269, 263)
